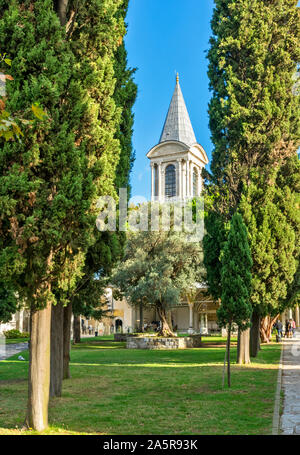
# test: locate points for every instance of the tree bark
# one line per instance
(56, 360)
(67, 340)
(243, 351)
(39, 369)
(76, 329)
(228, 356)
(141, 318)
(254, 335)
(62, 7)
(165, 329)
(266, 325)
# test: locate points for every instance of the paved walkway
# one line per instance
(290, 418)
(7, 350)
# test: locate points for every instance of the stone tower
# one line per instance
(176, 161)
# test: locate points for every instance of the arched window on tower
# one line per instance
(195, 182)
(170, 181)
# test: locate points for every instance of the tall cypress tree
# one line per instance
(254, 110)
(84, 297)
(43, 180)
(236, 281)
(50, 182)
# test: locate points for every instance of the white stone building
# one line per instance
(177, 160)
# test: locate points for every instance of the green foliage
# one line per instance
(255, 121)
(124, 96)
(52, 180)
(213, 243)
(236, 277)
(252, 66)
(45, 186)
(158, 267)
(273, 224)
(10, 334)
(107, 248)
(8, 302)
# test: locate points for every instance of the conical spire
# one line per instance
(178, 126)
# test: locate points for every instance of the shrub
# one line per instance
(15, 334)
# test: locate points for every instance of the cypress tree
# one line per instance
(43, 180)
(252, 66)
(254, 116)
(124, 96)
(51, 181)
(84, 297)
(236, 281)
(108, 246)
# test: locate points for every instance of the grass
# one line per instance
(118, 391)
(15, 340)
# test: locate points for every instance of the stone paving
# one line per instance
(290, 418)
(7, 350)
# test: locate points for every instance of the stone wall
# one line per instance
(163, 343)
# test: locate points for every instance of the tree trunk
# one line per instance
(56, 362)
(228, 356)
(62, 11)
(224, 368)
(165, 329)
(67, 340)
(141, 329)
(266, 325)
(76, 329)
(254, 335)
(243, 351)
(169, 319)
(39, 369)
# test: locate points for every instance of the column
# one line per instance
(162, 184)
(297, 316)
(199, 183)
(184, 180)
(202, 323)
(21, 318)
(187, 178)
(191, 330)
(159, 182)
(179, 179)
(152, 182)
(196, 321)
(190, 179)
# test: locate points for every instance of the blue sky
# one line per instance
(165, 36)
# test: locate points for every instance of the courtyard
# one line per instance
(114, 391)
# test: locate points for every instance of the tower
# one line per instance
(176, 161)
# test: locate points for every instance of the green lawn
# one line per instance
(15, 340)
(118, 391)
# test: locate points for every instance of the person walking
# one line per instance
(293, 327)
(287, 328)
(290, 328)
(279, 329)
